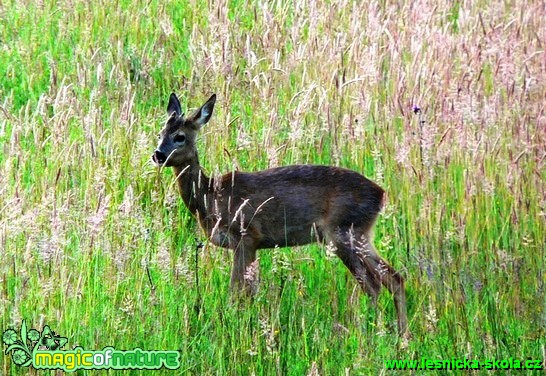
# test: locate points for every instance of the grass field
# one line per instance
(96, 243)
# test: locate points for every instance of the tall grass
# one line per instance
(95, 242)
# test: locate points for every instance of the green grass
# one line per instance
(95, 242)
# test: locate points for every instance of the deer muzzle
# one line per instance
(159, 157)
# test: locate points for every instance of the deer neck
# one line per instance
(193, 185)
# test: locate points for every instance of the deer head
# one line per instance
(176, 145)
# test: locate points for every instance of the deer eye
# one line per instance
(179, 138)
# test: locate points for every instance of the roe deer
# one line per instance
(283, 206)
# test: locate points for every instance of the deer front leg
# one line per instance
(244, 275)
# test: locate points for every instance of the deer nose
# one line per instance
(159, 157)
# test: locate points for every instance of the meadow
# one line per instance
(96, 243)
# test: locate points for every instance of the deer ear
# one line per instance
(174, 109)
(202, 115)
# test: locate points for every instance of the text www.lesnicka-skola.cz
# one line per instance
(465, 364)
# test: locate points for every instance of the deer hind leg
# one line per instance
(393, 281)
(244, 274)
(371, 271)
(368, 281)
